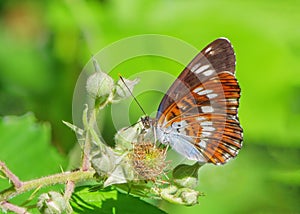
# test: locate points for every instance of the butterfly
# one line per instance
(197, 116)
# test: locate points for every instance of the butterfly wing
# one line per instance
(198, 114)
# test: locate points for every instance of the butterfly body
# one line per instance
(197, 116)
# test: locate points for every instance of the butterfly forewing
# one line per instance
(198, 114)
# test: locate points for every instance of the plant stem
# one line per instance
(64, 177)
(70, 186)
(69, 189)
(14, 208)
(11, 176)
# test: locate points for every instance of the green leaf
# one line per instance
(109, 201)
(26, 148)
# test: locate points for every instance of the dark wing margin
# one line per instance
(217, 56)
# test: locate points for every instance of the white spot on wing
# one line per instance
(211, 53)
(195, 67)
(201, 118)
(196, 90)
(205, 92)
(208, 128)
(201, 69)
(210, 96)
(232, 100)
(208, 72)
(207, 109)
(202, 144)
(232, 150)
(206, 123)
(207, 50)
(205, 134)
(232, 108)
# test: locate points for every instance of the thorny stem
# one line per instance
(14, 208)
(64, 177)
(70, 186)
(11, 176)
(68, 178)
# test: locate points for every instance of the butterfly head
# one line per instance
(146, 121)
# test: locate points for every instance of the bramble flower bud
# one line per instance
(100, 85)
(186, 175)
(184, 196)
(190, 197)
(52, 202)
(122, 91)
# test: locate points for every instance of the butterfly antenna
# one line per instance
(132, 95)
(132, 125)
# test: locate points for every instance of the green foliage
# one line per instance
(109, 201)
(44, 46)
(27, 150)
(26, 147)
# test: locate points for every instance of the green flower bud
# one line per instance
(189, 196)
(100, 85)
(52, 202)
(123, 92)
(186, 175)
(183, 196)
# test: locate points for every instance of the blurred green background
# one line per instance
(45, 44)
